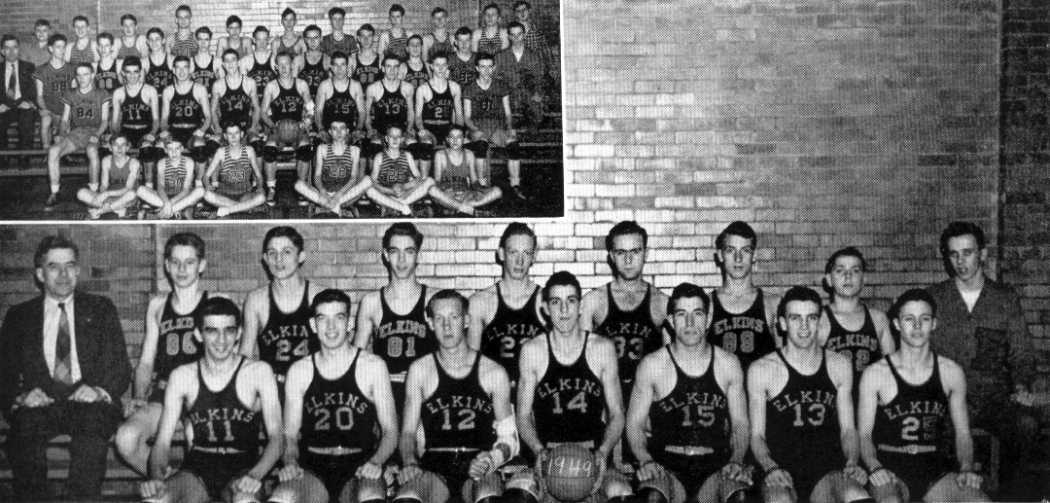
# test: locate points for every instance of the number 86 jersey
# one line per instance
(176, 344)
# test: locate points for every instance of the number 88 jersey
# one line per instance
(176, 344)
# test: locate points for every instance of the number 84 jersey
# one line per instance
(176, 344)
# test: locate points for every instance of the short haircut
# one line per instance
(484, 56)
(156, 30)
(8, 38)
(118, 136)
(388, 56)
(283, 54)
(56, 38)
(913, 295)
(561, 278)
(54, 242)
(126, 17)
(515, 229)
(956, 229)
(183, 7)
(180, 59)
(797, 293)
(283, 231)
(396, 8)
(447, 294)
(625, 228)
(435, 56)
(80, 17)
(184, 239)
(132, 62)
(44, 22)
(287, 12)
(85, 64)
(203, 29)
(415, 36)
(260, 29)
(105, 35)
(686, 290)
(491, 6)
(402, 229)
(366, 27)
(848, 251)
(515, 24)
(328, 296)
(520, 3)
(737, 228)
(336, 11)
(339, 55)
(234, 20)
(312, 27)
(463, 30)
(438, 10)
(216, 306)
(229, 52)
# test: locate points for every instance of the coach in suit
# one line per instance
(63, 368)
(17, 94)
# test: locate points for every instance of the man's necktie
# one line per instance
(63, 365)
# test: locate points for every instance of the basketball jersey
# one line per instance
(135, 114)
(174, 175)
(398, 46)
(106, 78)
(159, 75)
(569, 401)
(184, 111)
(340, 106)
(57, 82)
(283, 48)
(416, 76)
(456, 178)
(394, 171)
(462, 72)
(911, 429)
(330, 46)
(287, 105)
(441, 47)
(336, 412)
(85, 109)
(183, 47)
(176, 344)
(235, 177)
(437, 113)
(235, 106)
(634, 333)
(694, 414)
(128, 50)
(490, 45)
(510, 328)
(263, 73)
(802, 426)
(401, 338)
(390, 110)
(747, 335)
(367, 74)
(860, 346)
(486, 104)
(77, 55)
(459, 413)
(219, 419)
(204, 75)
(287, 336)
(244, 47)
(336, 169)
(118, 175)
(313, 74)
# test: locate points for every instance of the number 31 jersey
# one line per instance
(176, 344)
(287, 336)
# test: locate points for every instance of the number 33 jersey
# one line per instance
(176, 344)
(569, 402)
(287, 336)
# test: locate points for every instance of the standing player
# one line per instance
(438, 105)
(340, 425)
(290, 42)
(692, 395)
(224, 395)
(340, 98)
(185, 111)
(158, 69)
(490, 38)
(286, 105)
(461, 402)
(312, 63)
(176, 192)
(182, 42)
(742, 316)
(85, 117)
(439, 40)
(233, 181)
(395, 337)
(259, 65)
(36, 50)
(107, 75)
(233, 39)
(233, 98)
(636, 327)
(130, 44)
(205, 70)
(527, 73)
(169, 343)
(507, 314)
(577, 401)
(53, 80)
(847, 326)
(802, 428)
(394, 42)
(463, 64)
(415, 67)
(486, 112)
(904, 399)
(338, 41)
(136, 115)
(367, 68)
(277, 316)
(83, 49)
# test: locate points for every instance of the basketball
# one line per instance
(570, 472)
(287, 132)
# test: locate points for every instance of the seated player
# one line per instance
(231, 182)
(136, 115)
(456, 177)
(340, 98)
(176, 191)
(286, 113)
(904, 399)
(461, 402)
(233, 98)
(340, 425)
(312, 63)
(337, 179)
(53, 80)
(569, 392)
(394, 174)
(692, 395)
(486, 113)
(387, 103)
(438, 105)
(186, 113)
(120, 178)
(801, 412)
(107, 74)
(223, 461)
(169, 342)
(85, 116)
(233, 40)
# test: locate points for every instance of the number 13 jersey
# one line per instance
(569, 400)
(287, 336)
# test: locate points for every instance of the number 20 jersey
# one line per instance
(336, 412)
(176, 344)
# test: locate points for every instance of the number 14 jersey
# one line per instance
(569, 402)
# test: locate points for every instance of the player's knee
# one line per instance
(270, 153)
(650, 495)
(129, 437)
(366, 490)
(480, 147)
(304, 152)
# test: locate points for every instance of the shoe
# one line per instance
(52, 200)
(515, 191)
(271, 198)
(302, 201)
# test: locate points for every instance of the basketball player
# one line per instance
(569, 392)
(439, 40)
(338, 40)
(130, 44)
(507, 314)
(290, 42)
(85, 117)
(490, 38)
(119, 179)
(312, 63)
(182, 42)
(205, 70)
(463, 63)
(486, 112)
(36, 50)
(368, 67)
(233, 98)
(259, 65)
(904, 399)
(847, 326)
(742, 316)
(286, 100)
(107, 76)
(692, 395)
(414, 69)
(438, 105)
(394, 41)
(461, 401)
(185, 112)
(396, 181)
(158, 64)
(340, 98)
(82, 49)
(176, 192)
(136, 115)
(387, 103)
(277, 316)
(224, 459)
(232, 180)
(629, 310)
(169, 343)
(391, 321)
(233, 39)
(456, 184)
(801, 412)
(340, 425)
(337, 179)
(53, 80)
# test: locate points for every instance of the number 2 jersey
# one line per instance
(176, 344)
(287, 336)
(569, 402)
(747, 335)
(510, 328)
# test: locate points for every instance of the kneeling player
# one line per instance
(336, 403)
(802, 431)
(223, 462)
(903, 400)
(461, 400)
(337, 176)
(577, 401)
(176, 192)
(692, 394)
(232, 180)
(120, 176)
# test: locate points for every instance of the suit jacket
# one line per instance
(25, 83)
(101, 351)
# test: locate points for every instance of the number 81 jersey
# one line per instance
(176, 344)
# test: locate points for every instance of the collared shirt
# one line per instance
(12, 80)
(51, 317)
